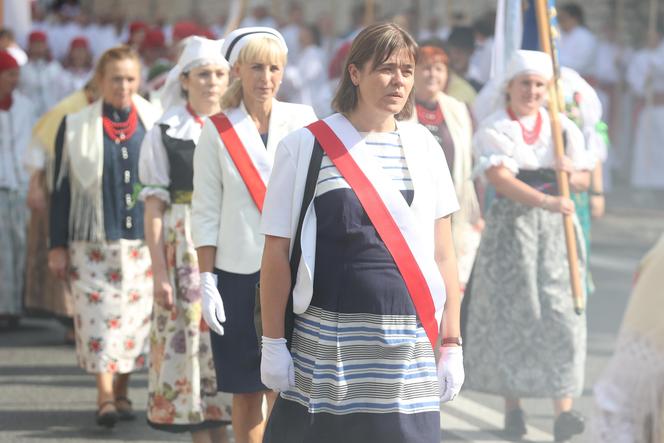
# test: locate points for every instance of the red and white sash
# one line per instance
(246, 148)
(391, 216)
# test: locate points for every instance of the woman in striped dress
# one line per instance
(361, 366)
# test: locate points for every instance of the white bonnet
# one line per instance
(199, 51)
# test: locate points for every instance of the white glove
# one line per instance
(277, 372)
(450, 372)
(213, 307)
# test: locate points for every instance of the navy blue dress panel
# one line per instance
(286, 425)
(354, 270)
(123, 212)
(58, 216)
(181, 161)
(123, 215)
(236, 353)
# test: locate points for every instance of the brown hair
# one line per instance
(122, 52)
(373, 45)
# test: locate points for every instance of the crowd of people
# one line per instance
(282, 224)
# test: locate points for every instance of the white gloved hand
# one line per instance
(450, 372)
(212, 305)
(277, 371)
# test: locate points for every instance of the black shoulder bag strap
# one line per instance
(296, 252)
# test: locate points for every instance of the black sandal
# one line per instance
(106, 419)
(126, 413)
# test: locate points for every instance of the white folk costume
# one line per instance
(522, 337)
(646, 79)
(16, 120)
(449, 121)
(307, 81)
(629, 395)
(94, 213)
(364, 363)
(182, 386)
(44, 83)
(232, 164)
(578, 50)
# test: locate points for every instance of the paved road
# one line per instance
(45, 397)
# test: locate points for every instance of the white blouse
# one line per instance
(499, 142)
(153, 165)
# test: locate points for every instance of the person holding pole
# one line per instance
(523, 336)
(378, 271)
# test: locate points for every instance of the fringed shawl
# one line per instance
(83, 163)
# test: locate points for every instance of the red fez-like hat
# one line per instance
(79, 42)
(184, 29)
(37, 36)
(7, 61)
(136, 26)
(154, 39)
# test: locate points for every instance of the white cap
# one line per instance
(239, 38)
(199, 51)
(529, 62)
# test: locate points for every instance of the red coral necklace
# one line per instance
(196, 117)
(529, 136)
(121, 131)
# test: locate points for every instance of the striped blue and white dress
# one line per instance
(364, 368)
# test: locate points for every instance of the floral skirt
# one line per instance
(182, 383)
(111, 285)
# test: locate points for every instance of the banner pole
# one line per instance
(545, 37)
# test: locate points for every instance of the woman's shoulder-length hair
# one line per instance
(374, 45)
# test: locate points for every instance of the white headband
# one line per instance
(239, 38)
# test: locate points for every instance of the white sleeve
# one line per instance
(208, 188)
(277, 207)
(153, 167)
(583, 159)
(491, 148)
(34, 157)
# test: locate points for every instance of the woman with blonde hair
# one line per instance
(366, 198)
(96, 228)
(232, 164)
(182, 388)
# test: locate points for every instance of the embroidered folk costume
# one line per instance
(95, 214)
(523, 338)
(182, 385)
